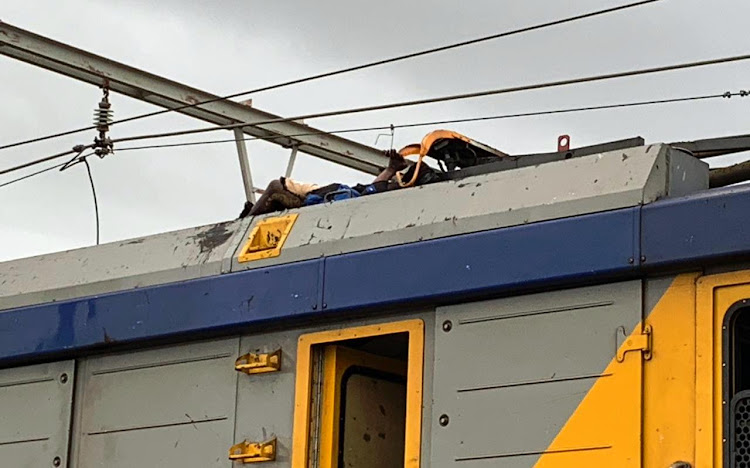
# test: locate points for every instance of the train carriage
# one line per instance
(584, 308)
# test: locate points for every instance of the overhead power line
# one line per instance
(28, 176)
(75, 150)
(652, 102)
(454, 121)
(364, 66)
(448, 98)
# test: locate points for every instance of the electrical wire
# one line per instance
(448, 98)
(27, 176)
(417, 124)
(452, 121)
(78, 150)
(93, 192)
(364, 66)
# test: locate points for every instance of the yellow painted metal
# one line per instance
(336, 361)
(669, 378)
(254, 452)
(259, 363)
(267, 238)
(636, 342)
(605, 429)
(715, 295)
(415, 369)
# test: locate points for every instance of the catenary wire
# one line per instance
(450, 121)
(418, 124)
(364, 66)
(448, 98)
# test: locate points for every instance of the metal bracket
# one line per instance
(254, 452)
(267, 238)
(563, 143)
(635, 342)
(259, 363)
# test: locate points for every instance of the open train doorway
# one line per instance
(359, 397)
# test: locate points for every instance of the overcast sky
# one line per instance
(225, 47)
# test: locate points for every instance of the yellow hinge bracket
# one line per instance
(254, 452)
(635, 342)
(259, 363)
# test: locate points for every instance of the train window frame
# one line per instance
(303, 405)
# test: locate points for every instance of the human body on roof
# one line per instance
(285, 193)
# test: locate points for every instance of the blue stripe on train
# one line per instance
(709, 225)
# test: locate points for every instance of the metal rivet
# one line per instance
(631, 260)
(643, 258)
(63, 378)
(447, 326)
(57, 461)
(315, 306)
(444, 420)
(325, 306)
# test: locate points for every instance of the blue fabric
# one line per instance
(343, 192)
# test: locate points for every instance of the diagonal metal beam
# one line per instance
(90, 68)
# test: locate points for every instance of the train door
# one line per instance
(723, 370)
(359, 397)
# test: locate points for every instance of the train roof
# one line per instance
(616, 213)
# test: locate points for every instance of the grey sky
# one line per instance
(225, 47)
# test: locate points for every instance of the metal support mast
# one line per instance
(84, 66)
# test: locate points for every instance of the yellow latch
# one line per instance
(254, 452)
(267, 238)
(258, 363)
(635, 342)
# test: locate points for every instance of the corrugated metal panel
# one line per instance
(165, 407)
(509, 373)
(35, 409)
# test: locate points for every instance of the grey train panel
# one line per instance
(35, 411)
(265, 402)
(589, 184)
(167, 407)
(505, 393)
(162, 258)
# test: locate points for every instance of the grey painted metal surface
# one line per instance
(163, 258)
(506, 395)
(166, 407)
(247, 177)
(588, 184)
(35, 411)
(265, 402)
(90, 68)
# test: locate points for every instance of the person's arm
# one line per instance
(396, 163)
